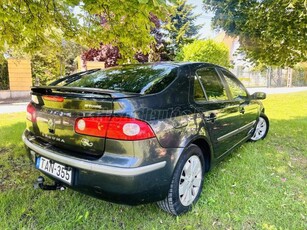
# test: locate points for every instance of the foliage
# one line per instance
(300, 74)
(301, 66)
(67, 56)
(124, 24)
(171, 35)
(261, 185)
(270, 32)
(39, 28)
(105, 53)
(4, 75)
(29, 25)
(53, 62)
(207, 51)
(157, 50)
(45, 68)
(180, 27)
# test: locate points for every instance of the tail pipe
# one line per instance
(40, 184)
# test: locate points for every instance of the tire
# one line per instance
(187, 182)
(261, 129)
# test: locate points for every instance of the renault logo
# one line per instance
(51, 125)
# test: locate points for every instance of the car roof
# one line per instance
(172, 63)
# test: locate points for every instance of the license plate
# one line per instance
(54, 169)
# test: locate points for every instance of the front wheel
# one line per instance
(187, 182)
(261, 129)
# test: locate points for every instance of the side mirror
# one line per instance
(258, 96)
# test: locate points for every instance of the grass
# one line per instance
(261, 185)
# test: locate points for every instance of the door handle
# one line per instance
(211, 118)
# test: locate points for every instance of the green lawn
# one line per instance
(260, 186)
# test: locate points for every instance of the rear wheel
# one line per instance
(187, 182)
(261, 129)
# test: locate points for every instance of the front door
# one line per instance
(248, 110)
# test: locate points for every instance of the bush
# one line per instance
(207, 51)
(4, 76)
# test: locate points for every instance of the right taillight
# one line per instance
(31, 113)
(121, 128)
(124, 128)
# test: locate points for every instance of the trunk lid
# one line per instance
(57, 109)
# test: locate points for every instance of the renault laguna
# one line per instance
(142, 133)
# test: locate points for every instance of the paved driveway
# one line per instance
(277, 90)
(20, 106)
(13, 107)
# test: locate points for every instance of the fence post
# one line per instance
(269, 77)
(289, 78)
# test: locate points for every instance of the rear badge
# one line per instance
(51, 126)
(86, 142)
(89, 106)
(53, 138)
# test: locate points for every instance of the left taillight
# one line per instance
(120, 128)
(31, 113)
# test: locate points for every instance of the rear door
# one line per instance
(219, 114)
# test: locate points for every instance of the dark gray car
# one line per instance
(140, 133)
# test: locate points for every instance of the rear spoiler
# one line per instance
(81, 91)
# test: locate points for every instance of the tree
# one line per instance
(207, 51)
(180, 28)
(270, 32)
(52, 62)
(157, 50)
(105, 53)
(171, 35)
(4, 75)
(29, 25)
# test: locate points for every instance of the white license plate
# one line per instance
(57, 170)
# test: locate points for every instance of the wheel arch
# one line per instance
(206, 150)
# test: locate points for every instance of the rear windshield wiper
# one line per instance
(73, 77)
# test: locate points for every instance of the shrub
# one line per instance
(207, 51)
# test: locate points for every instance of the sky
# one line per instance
(206, 31)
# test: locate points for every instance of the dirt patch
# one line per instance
(3, 150)
(299, 162)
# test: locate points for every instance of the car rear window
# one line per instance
(143, 79)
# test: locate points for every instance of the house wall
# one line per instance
(20, 79)
(94, 65)
(82, 66)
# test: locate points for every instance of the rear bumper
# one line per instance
(144, 183)
(90, 165)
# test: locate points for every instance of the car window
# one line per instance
(198, 91)
(212, 84)
(145, 79)
(237, 90)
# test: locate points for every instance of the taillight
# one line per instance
(129, 129)
(121, 128)
(92, 126)
(31, 113)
